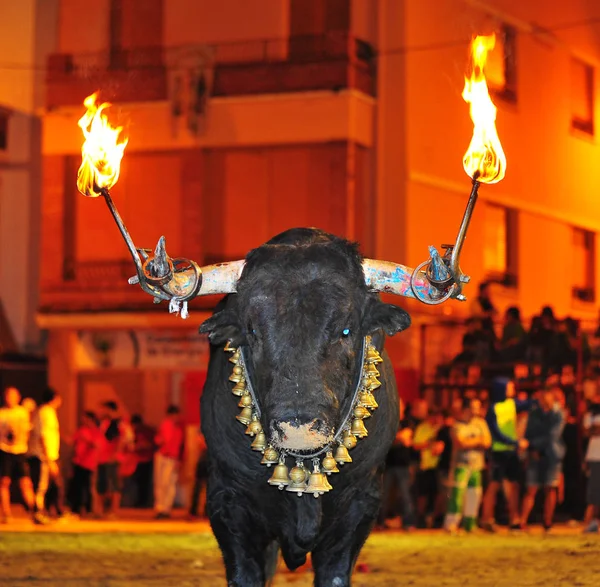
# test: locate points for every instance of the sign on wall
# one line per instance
(141, 349)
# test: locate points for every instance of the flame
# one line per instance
(484, 159)
(101, 151)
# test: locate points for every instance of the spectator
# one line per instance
(470, 438)
(87, 443)
(45, 447)
(482, 306)
(15, 427)
(397, 476)
(444, 436)
(505, 466)
(167, 462)
(144, 451)
(429, 448)
(513, 344)
(116, 440)
(200, 478)
(545, 453)
(591, 425)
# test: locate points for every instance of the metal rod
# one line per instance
(462, 232)
(123, 230)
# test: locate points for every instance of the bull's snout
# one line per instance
(296, 435)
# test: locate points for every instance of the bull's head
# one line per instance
(304, 303)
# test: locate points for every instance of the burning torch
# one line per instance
(175, 280)
(484, 162)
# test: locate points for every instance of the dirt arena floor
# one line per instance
(151, 554)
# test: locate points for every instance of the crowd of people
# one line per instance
(446, 468)
(114, 460)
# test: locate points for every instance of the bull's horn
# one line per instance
(221, 278)
(388, 277)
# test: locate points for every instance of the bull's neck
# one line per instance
(352, 428)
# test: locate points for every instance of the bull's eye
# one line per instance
(346, 332)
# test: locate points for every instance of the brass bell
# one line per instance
(279, 477)
(245, 401)
(245, 416)
(228, 348)
(373, 355)
(367, 400)
(371, 370)
(270, 457)
(349, 440)
(239, 388)
(260, 442)
(237, 375)
(329, 464)
(358, 428)
(317, 482)
(342, 455)
(327, 484)
(254, 427)
(361, 412)
(297, 480)
(374, 383)
(236, 357)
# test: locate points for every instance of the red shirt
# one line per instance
(170, 439)
(87, 444)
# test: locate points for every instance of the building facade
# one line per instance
(248, 117)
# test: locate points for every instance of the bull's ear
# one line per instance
(222, 327)
(387, 317)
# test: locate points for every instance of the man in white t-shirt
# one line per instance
(15, 426)
(45, 446)
(591, 427)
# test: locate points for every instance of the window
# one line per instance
(583, 270)
(582, 96)
(501, 66)
(3, 130)
(500, 261)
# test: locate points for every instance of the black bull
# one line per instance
(301, 312)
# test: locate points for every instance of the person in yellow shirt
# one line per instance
(430, 449)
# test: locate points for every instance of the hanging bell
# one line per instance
(270, 457)
(260, 442)
(245, 416)
(237, 375)
(297, 479)
(358, 428)
(254, 427)
(326, 482)
(279, 478)
(342, 455)
(361, 412)
(371, 370)
(367, 400)
(228, 348)
(239, 388)
(317, 482)
(236, 357)
(373, 383)
(330, 464)
(373, 355)
(349, 440)
(245, 401)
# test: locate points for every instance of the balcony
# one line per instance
(333, 62)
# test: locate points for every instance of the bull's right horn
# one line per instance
(388, 277)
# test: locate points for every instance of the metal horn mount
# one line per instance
(443, 272)
(175, 280)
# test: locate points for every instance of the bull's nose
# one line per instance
(295, 435)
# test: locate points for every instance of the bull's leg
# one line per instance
(335, 556)
(241, 540)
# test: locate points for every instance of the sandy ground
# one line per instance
(176, 553)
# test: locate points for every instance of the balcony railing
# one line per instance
(332, 61)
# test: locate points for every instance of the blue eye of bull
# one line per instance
(346, 332)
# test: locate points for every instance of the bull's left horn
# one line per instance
(388, 277)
